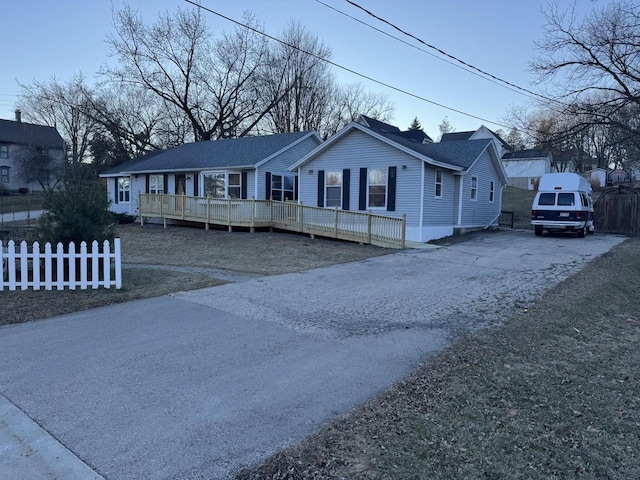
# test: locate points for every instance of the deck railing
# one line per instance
(362, 227)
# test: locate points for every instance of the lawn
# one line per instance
(551, 393)
(20, 203)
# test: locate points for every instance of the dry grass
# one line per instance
(551, 393)
(261, 253)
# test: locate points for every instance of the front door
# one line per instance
(180, 184)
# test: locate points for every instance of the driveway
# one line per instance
(201, 383)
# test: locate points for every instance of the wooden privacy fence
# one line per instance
(29, 266)
(363, 227)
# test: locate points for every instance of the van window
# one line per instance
(585, 200)
(566, 200)
(547, 199)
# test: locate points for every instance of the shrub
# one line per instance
(123, 218)
(23, 191)
(3, 190)
(77, 210)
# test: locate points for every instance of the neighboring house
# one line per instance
(38, 146)
(525, 167)
(481, 133)
(373, 166)
(597, 177)
(247, 167)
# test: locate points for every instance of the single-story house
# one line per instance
(373, 166)
(41, 147)
(525, 167)
(247, 167)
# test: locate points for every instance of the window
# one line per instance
(474, 188)
(156, 183)
(4, 174)
(378, 188)
(438, 192)
(222, 185)
(124, 189)
(282, 187)
(491, 191)
(333, 184)
(566, 200)
(233, 188)
(4, 151)
(547, 199)
(214, 185)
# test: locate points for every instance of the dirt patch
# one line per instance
(552, 392)
(188, 257)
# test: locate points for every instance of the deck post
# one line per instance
(140, 207)
(253, 215)
(404, 229)
(369, 227)
(182, 200)
(301, 216)
(270, 203)
(335, 228)
(206, 227)
(229, 213)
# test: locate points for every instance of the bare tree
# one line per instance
(62, 106)
(445, 127)
(594, 66)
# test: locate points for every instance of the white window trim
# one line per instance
(201, 186)
(123, 191)
(472, 197)
(436, 183)
(282, 190)
(327, 186)
(155, 191)
(386, 189)
(492, 191)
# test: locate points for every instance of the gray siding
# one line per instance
(481, 212)
(439, 211)
(355, 150)
(281, 163)
(15, 155)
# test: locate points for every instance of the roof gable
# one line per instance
(22, 133)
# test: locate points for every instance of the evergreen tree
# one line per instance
(415, 125)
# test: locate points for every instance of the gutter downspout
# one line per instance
(421, 221)
(461, 176)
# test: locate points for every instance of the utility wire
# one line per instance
(346, 69)
(461, 67)
(452, 57)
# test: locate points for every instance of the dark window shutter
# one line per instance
(165, 181)
(391, 194)
(295, 187)
(346, 186)
(321, 188)
(362, 194)
(268, 186)
(146, 184)
(243, 185)
(115, 187)
(196, 176)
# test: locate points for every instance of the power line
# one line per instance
(346, 69)
(453, 57)
(461, 67)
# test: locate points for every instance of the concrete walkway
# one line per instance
(202, 383)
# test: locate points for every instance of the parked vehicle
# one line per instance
(563, 204)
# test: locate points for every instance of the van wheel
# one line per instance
(581, 232)
(538, 231)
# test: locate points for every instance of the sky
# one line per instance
(43, 39)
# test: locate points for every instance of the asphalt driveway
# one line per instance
(199, 384)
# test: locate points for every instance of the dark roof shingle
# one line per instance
(22, 133)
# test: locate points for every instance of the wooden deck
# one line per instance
(333, 223)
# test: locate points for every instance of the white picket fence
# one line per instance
(27, 266)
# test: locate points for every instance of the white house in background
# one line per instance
(19, 139)
(525, 167)
(373, 166)
(247, 167)
(597, 176)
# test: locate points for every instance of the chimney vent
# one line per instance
(18, 116)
